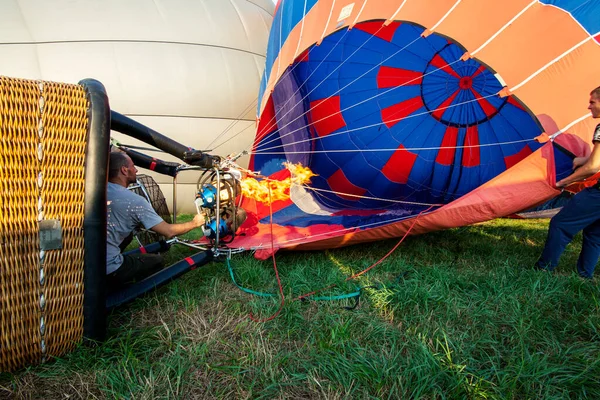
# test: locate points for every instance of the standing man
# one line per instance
(125, 212)
(582, 212)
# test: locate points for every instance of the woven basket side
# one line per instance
(43, 129)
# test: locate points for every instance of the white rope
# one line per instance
(395, 149)
(307, 79)
(333, 233)
(358, 15)
(264, 143)
(301, 30)
(372, 125)
(328, 20)
(509, 23)
(234, 136)
(397, 11)
(231, 125)
(536, 73)
(351, 83)
(446, 15)
(578, 120)
(362, 197)
(278, 137)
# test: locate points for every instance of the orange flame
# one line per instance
(279, 190)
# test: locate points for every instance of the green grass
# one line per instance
(457, 314)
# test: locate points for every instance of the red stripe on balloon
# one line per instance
(398, 167)
(267, 122)
(391, 77)
(303, 57)
(479, 70)
(485, 105)
(393, 114)
(438, 112)
(515, 158)
(445, 156)
(471, 155)
(339, 183)
(377, 29)
(440, 63)
(326, 116)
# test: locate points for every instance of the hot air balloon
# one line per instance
(188, 69)
(418, 114)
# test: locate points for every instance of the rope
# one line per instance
(231, 125)
(274, 268)
(267, 129)
(364, 271)
(370, 197)
(264, 150)
(352, 82)
(386, 149)
(305, 296)
(337, 231)
(366, 126)
(288, 72)
(250, 291)
(354, 195)
(264, 294)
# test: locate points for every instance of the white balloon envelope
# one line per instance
(189, 69)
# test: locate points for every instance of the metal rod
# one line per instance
(218, 225)
(175, 198)
(193, 246)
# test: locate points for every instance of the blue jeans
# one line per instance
(582, 212)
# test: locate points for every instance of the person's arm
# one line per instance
(169, 230)
(589, 168)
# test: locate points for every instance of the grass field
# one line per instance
(454, 314)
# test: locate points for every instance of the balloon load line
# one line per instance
(271, 124)
(338, 91)
(255, 102)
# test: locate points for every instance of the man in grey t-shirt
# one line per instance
(125, 212)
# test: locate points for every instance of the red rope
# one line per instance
(274, 267)
(371, 266)
(354, 276)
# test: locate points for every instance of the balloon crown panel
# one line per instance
(383, 114)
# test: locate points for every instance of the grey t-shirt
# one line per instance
(125, 211)
(596, 137)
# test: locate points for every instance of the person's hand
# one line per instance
(199, 220)
(578, 162)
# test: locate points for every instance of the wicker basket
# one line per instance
(44, 134)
